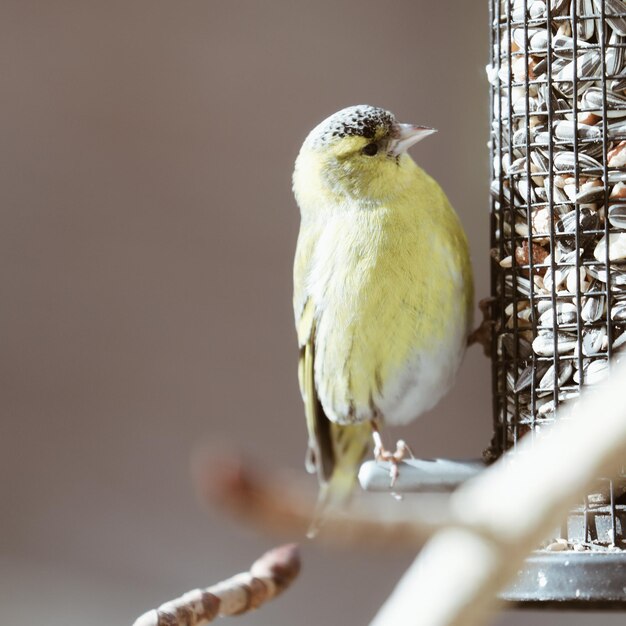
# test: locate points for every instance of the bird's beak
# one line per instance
(406, 135)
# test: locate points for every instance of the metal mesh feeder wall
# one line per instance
(558, 226)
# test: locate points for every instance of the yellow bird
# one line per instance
(383, 290)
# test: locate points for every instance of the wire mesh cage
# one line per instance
(558, 225)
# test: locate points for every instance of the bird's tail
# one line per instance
(351, 443)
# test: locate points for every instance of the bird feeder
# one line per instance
(557, 76)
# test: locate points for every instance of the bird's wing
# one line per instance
(321, 456)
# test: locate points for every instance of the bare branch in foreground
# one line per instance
(504, 513)
(268, 576)
(285, 507)
(270, 504)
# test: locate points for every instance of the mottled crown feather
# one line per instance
(361, 120)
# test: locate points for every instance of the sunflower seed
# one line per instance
(537, 9)
(593, 373)
(577, 281)
(615, 176)
(588, 220)
(619, 341)
(566, 370)
(585, 67)
(539, 42)
(618, 191)
(568, 162)
(619, 82)
(519, 35)
(549, 406)
(563, 46)
(592, 340)
(614, 13)
(518, 13)
(594, 100)
(565, 314)
(617, 215)
(618, 312)
(593, 308)
(617, 247)
(617, 275)
(566, 130)
(525, 379)
(543, 345)
(616, 130)
(590, 192)
(559, 6)
(520, 348)
(585, 27)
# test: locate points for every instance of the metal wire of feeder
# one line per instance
(558, 237)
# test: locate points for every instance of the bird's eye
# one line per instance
(370, 149)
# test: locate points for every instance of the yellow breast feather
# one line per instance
(382, 284)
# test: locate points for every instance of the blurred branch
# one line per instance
(503, 514)
(285, 507)
(268, 503)
(268, 576)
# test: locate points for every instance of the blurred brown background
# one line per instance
(147, 237)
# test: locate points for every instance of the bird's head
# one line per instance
(358, 153)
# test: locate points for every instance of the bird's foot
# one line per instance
(484, 333)
(394, 458)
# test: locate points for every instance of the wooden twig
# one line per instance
(285, 507)
(483, 334)
(270, 504)
(268, 576)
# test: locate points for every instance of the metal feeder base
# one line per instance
(571, 581)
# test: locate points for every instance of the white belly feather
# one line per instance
(426, 378)
(429, 374)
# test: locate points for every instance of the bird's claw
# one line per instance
(484, 333)
(394, 458)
